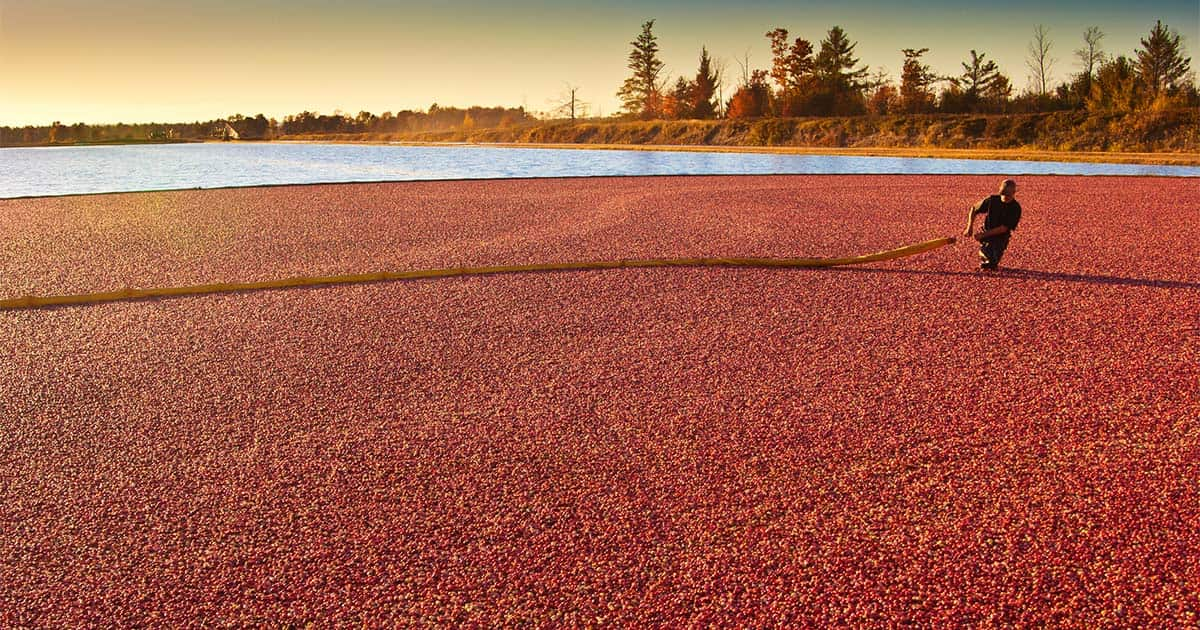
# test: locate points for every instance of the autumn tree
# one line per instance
(837, 74)
(751, 98)
(884, 100)
(641, 93)
(792, 68)
(915, 81)
(779, 52)
(882, 97)
(1115, 86)
(704, 88)
(677, 104)
(1160, 60)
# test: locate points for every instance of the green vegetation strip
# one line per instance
(33, 302)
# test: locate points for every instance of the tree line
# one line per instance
(803, 79)
(828, 80)
(259, 127)
(436, 118)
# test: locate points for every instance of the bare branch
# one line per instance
(1039, 61)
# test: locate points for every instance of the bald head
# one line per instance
(1008, 188)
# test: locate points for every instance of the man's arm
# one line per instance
(975, 209)
(996, 231)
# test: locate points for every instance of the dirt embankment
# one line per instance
(1154, 131)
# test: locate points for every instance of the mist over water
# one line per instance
(91, 169)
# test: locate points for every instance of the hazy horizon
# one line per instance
(168, 62)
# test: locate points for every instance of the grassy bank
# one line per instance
(1164, 136)
(1108, 157)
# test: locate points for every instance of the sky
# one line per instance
(169, 61)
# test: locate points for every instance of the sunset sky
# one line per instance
(169, 61)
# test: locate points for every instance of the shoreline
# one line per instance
(1015, 155)
(101, 143)
(366, 182)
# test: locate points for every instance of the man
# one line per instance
(1003, 214)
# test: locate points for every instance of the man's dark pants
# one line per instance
(991, 249)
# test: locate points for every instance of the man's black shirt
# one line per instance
(1000, 213)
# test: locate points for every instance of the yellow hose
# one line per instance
(34, 301)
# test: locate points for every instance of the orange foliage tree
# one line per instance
(752, 99)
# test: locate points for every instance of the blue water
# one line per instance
(71, 170)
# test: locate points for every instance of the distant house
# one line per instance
(226, 131)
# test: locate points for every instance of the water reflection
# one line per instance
(71, 170)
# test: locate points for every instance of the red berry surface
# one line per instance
(907, 442)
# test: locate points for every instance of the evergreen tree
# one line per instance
(800, 64)
(1160, 61)
(835, 63)
(704, 88)
(641, 93)
(915, 80)
(998, 92)
(841, 81)
(981, 81)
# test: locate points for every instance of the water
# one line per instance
(72, 170)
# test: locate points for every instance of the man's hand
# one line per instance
(996, 231)
(971, 212)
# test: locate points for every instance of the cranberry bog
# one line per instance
(904, 442)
